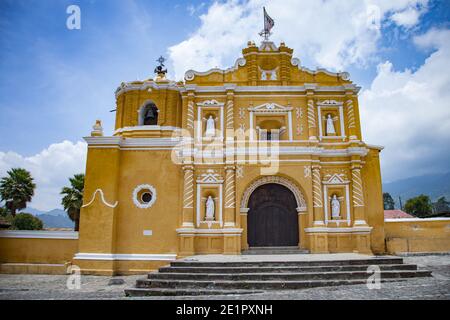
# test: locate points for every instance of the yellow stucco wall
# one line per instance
(37, 250)
(418, 235)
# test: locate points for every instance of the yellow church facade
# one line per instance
(266, 153)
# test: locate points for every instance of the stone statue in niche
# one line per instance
(210, 127)
(330, 129)
(273, 75)
(210, 209)
(335, 207)
(263, 75)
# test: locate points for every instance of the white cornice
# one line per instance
(190, 74)
(146, 128)
(39, 234)
(168, 143)
(338, 230)
(417, 220)
(131, 256)
(146, 85)
(372, 146)
(209, 231)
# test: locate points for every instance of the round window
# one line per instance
(144, 196)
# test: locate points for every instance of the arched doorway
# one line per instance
(272, 217)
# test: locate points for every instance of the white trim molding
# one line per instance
(29, 234)
(122, 256)
(102, 197)
(417, 219)
(339, 230)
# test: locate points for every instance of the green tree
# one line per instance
(442, 205)
(388, 202)
(73, 198)
(16, 189)
(26, 221)
(419, 206)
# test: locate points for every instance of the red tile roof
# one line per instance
(396, 214)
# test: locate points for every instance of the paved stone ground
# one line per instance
(95, 287)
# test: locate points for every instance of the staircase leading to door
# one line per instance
(192, 278)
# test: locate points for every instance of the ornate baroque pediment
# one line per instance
(270, 108)
(210, 177)
(336, 178)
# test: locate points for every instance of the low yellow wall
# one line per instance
(417, 235)
(39, 247)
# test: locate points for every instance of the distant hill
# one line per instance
(55, 218)
(433, 185)
(52, 221)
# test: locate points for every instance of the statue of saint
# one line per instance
(209, 209)
(335, 207)
(330, 126)
(210, 127)
(263, 75)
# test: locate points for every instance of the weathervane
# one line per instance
(268, 25)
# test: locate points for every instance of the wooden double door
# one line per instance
(272, 217)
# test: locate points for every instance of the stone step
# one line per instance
(243, 277)
(274, 250)
(140, 292)
(371, 261)
(280, 269)
(246, 285)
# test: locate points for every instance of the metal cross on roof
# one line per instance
(161, 61)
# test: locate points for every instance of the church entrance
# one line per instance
(272, 217)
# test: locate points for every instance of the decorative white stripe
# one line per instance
(188, 201)
(132, 256)
(317, 190)
(337, 230)
(102, 196)
(209, 231)
(25, 234)
(358, 198)
(311, 114)
(230, 115)
(416, 219)
(350, 114)
(190, 115)
(229, 190)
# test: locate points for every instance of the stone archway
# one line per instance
(299, 198)
(271, 208)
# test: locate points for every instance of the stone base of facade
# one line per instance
(330, 240)
(203, 241)
(120, 264)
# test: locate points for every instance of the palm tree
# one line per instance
(73, 198)
(16, 189)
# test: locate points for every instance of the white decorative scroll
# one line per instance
(102, 197)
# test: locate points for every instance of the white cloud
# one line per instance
(409, 112)
(332, 34)
(410, 16)
(50, 168)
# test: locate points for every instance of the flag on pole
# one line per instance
(268, 21)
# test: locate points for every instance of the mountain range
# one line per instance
(432, 185)
(55, 218)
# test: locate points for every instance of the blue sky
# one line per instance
(55, 82)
